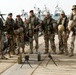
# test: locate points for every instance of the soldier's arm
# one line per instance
(6, 23)
(38, 23)
(1, 24)
(71, 16)
(59, 21)
(43, 24)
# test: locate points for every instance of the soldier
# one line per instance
(9, 23)
(33, 30)
(19, 25)
(1, 39)
(26, 37)
(72, 29)
(63, 34)
(49, 34)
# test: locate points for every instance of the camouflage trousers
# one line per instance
(62, 36)
(19, 41)
(1, 45)
(47, 38)
(72, 43)
(11, 45)
(35, 36)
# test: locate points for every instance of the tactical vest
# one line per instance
(63, 22)
(18, 24)
(34, 23)
(48, 27)
(73, 17)
(10, 24)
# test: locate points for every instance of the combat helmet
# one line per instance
(60, 28)
(73, 7)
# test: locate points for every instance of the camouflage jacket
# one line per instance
(34, 21)
(63, 21)
(18, 24)
(1, 24)
(73, 17)
(9, 23)
(48, 25)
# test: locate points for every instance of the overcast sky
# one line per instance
(15, 6)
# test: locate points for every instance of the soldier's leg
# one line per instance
(65, 44)
(10, 45)
(22, 41)
(9, 50)
(52, 43)
(72, 46)
(16, 41)
(1, 48)
(36, 41)
(46, 45)
(31, 44)
(13, 45)
(60, 37)
(18, 44)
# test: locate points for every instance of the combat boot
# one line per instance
(3, 57)
(23, 51)
(71, 53)
(36, 51)
(53, 51)
(13, 52)
(61, 52)
(66, 52)
(46, 51)
(18, 51)
(31, 51)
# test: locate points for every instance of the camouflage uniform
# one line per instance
(19, 37)
(33, 22)
(73, 17)
(9, 23)
(1, 39)
(49, 34)
(63, 35)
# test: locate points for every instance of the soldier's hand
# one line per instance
(36, 27)
(67, 36)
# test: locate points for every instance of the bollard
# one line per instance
(39, 56)
(20, 59)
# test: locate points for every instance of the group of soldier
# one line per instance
(17, 30)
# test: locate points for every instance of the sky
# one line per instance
(16, 6)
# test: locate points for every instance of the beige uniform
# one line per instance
(62, 35)
(33, 22)
(9, 23)
(19, 38)
(49, 34)
(73, 30)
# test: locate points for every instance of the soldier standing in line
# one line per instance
(49, 33)
(9, 23)
(33, 22)
(1, 40)
(26, 36)
(63, 34)
(19, 25)
(72, 29)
